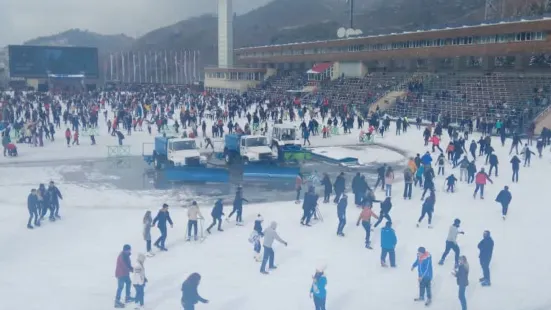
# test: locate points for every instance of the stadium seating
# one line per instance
(491, 96)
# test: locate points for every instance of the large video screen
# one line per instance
(39, 61)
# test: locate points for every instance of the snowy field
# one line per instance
(70, 264)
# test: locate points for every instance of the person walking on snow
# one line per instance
(527, 155)
(217, 213)
(270, 234)
(450, 181)
(427, 208)
(317, 290)
(365, 218)
(139, 280)
(486, 248)
(161, 220)
(408, 183)
(122, 273)
(193, 215)
(255, 240)
(238, 207)
(389, 179)
(423, 263)
(504, 198)
(32, 206)
(451, 242)
(388, 245)
(341, 214)
(147, 223)
(480, 180)
(462, 275)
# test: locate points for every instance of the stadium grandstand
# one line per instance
(496, 70)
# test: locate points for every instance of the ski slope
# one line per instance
(70, 264)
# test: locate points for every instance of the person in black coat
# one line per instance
(515, 165)
(54, 195)
(494, 162)
(32, 205)
(462, 275)
(386, 205)
(190, 295)
(486, 248)
(450, 181)
(341, 214)
(428, 208)
(504, 198)
(327, 187)
(163, 216)
(308, 206)
(216, 214)
(238, 206)
(339, 187)
(380, 177)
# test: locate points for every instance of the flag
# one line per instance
(111, 66)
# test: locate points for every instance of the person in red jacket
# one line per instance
(480, 180)
(122, 273)
(68, 136)
(436, 143)
(75, 137)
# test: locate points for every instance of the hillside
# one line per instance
(77, 37)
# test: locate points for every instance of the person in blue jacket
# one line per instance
(426, 159)
(423, 263)
(317, 290)
(161, 220)
(388, 244)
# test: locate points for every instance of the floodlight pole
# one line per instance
(351, 2)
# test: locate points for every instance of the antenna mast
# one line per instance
(351, 2)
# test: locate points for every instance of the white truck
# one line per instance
(247, 148)
(174, 151)
(284, 135)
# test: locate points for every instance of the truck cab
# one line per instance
(177, 152)
(249, 148)
(284, 135)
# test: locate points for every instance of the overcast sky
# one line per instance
(22, 20)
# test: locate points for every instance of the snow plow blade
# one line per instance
(196, 174)
(270, 171)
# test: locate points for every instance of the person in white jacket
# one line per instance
(193, 215)
(139, 280)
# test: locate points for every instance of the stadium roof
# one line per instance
(445, 27)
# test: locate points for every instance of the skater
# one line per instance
(527, 155)
(309, 205)
(327, 188)
(380, 177)
(480, 180)
(54, 195)
(298, 187)
(428, 209)
(504, 198)
(462, 275)
(217, 213)
(388, 245)
(339, 187)
(318, 291)
(190, 295)
(441, 161)
(423, 263)
(270, 234)
(408, 183)
(139, 280)
(428, 175)
(122, 273)
(147, 223)
(32, 205)
(193, 214)
(365, 219)
(515, 165)
(258, 225)
(161, 219)
(238, 207)
(450, 181)
(486, 248)
(359, 187)
(494, 162)
(451, 242)
(341, 214)
(389, 179)
(386, 205)
(255, 240)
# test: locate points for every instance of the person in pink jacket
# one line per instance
(389, 179)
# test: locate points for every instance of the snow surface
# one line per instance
(70, 264)
(365, 154)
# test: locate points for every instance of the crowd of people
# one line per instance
(31, 117)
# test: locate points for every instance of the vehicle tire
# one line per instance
(245, 161)
(156, 163)
(228, 158)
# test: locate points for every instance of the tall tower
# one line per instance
(225, 34)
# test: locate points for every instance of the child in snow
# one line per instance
(255, 238)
